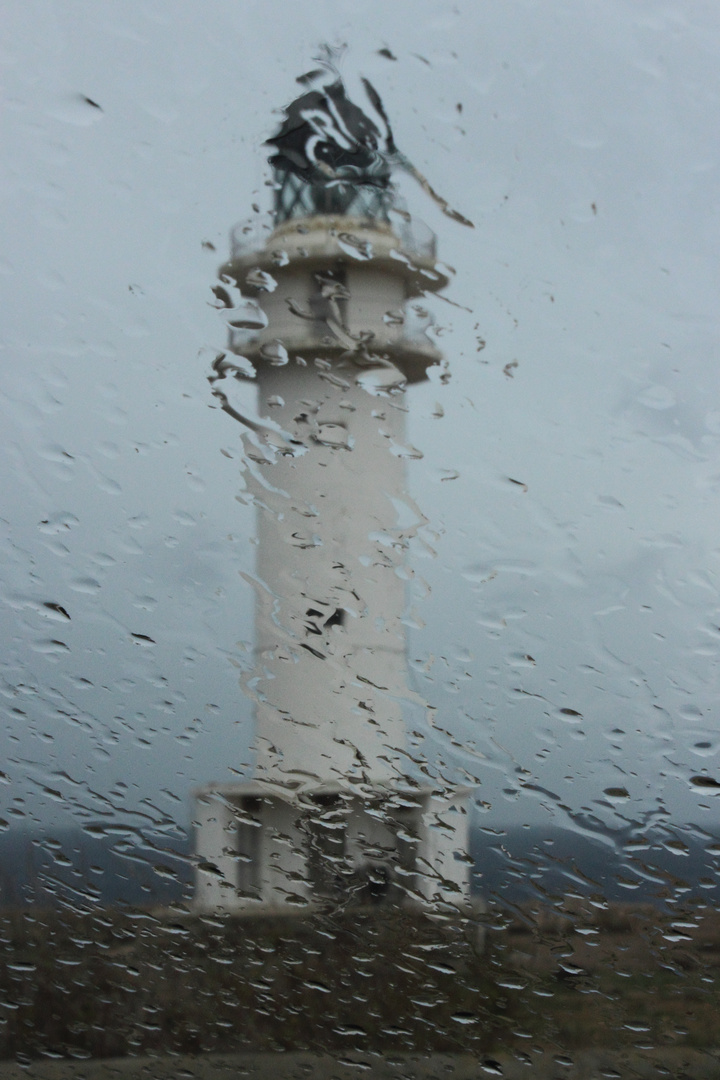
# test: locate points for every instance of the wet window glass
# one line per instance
(360, 598)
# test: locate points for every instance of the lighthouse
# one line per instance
(324, 322)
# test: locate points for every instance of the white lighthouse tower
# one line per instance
(334, 812)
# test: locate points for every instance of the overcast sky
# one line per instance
(581, 140)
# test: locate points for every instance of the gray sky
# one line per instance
(585, 151)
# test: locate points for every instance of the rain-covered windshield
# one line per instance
(360, 582)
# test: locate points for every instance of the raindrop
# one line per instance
(84, 584)
(50, 647)
(77, 110)
(617, 794)
(382, 379)
(704, 749)
(56, 608)
(355, 246)
(248, 317)
(260, 280)
(58, 523)
(275, 353)
(221, 293)
(336, 435)
(707, 783)
(491, 1067)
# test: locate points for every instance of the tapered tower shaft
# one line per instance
(333, 519)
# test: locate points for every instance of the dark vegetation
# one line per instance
(592, 973)
(111, 983)
(101, 956)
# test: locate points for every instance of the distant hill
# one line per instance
(628, 866)
(103, 864)
(114, 864)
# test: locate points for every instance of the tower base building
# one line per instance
(282, 853)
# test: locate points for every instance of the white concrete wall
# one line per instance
(329, 540)
(373, 294)
(375, 297)
(214, 846)
(444, 869)
(424, 850)
(284, 868)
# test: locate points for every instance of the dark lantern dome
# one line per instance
(329, 159)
